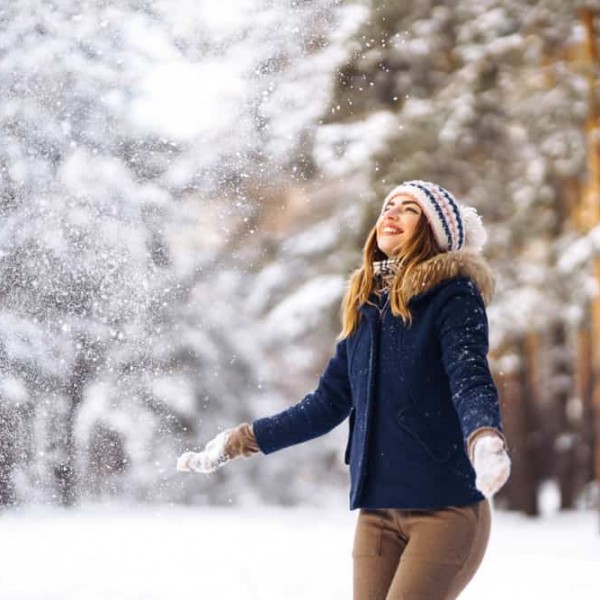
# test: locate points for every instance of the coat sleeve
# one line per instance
(319, 412)
(462, 328)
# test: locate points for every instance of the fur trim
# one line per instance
(459, 263)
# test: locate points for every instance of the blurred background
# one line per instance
(186, 185)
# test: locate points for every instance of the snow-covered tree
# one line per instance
(140, 140)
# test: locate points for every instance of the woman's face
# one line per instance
(397, 223)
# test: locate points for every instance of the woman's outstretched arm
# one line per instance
(316, 414)
(463, 334)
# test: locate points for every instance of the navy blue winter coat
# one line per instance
(413, 394)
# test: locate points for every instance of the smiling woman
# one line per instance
(425, 447)
(397, 223)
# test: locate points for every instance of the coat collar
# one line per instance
(447, 265)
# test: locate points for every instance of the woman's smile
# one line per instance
(389, 229)
(397, 223)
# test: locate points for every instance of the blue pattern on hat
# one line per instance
(437, 207)
(452, 201)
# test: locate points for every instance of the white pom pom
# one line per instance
(475, 233)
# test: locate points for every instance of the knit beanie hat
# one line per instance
(454, 226)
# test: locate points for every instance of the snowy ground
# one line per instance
(261, 554)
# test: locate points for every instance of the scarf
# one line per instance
(384, 272)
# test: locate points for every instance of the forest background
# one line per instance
(185, 188)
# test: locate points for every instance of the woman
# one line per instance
(426, 448)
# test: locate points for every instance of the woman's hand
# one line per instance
(226, 446)
(491, 464)
(210, 459)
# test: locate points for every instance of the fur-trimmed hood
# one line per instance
(447, 265)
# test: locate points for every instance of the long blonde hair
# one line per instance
(421, 246)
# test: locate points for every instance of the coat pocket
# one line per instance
(350, 433)
(430, 437)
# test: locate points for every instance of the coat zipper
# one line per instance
(382, 309)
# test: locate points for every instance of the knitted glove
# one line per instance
(226, 446)
(491, 464)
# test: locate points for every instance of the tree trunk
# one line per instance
(520, 424)
(591, 205)
(7, 455)
(566, 438)
(66, 472)
(585, 385)
(596, 382)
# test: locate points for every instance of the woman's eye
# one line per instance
(413, 210)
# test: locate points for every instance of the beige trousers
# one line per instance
(418, 554)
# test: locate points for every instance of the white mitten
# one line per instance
(491, 464)
(210, 459)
